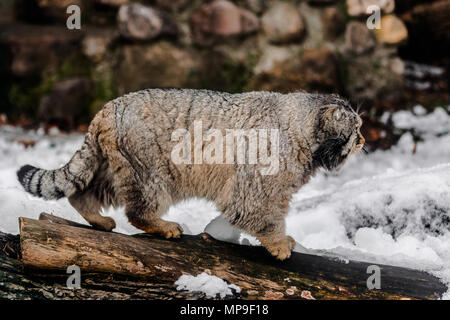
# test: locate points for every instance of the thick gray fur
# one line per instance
(126, 159)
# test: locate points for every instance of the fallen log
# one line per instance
(19, 284)
(147, 263)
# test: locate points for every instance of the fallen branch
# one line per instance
(143, 266)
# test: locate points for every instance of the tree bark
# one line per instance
(119, 266)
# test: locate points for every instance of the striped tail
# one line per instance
(64, 182)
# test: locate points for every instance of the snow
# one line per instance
(222, 230)
(434, 123)
(387, 207)
(208, 284)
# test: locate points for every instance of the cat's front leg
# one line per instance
(271, 232)
(252, 211)
(277, 243)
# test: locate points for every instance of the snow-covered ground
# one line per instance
(390, 207)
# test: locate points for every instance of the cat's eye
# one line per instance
(338, 114)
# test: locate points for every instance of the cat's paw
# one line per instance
(104, 224)
(281, 249)
(171, 230)
(167, 229)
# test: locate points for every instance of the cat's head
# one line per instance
(337, 134)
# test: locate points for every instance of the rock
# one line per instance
(428, 27)
(156, 65)
(219, 71)
(334, 22)
(244, 51)
(273, 56)
(95, 47)
(392, 31)
(397, 65)
(429, 20)
(358, 38)
(249, 22)
(313, 19)
(33, 48)
(359, 7)
(96, 43)
(139, 22)
(66, 102)
(370, 78)
(315, 70)
(219, 20)
(319, 70)
(282, 23)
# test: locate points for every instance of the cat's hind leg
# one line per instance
(144, 207)
(150, 224)
(143, 193)
(87, 204)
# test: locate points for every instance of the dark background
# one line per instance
(55, 76)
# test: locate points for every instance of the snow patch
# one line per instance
(210, 285)
(433, 123)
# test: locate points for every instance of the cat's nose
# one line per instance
(361, 141)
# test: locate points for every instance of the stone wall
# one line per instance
(241, 45)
